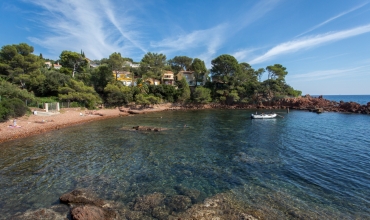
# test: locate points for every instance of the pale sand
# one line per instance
(37, 124)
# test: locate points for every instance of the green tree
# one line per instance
(202, 95)
(118, 94)
(199, 69)
(100, 77)
(12, 108)
(115, 61)
(184, 90)
(152, 65)
(73, 61)
(17, 62)
(277, 72)
(224, 67)
(179, 63)
(9, 90)
(146, 99)
(53, 80)
(259, 73)
(77, 91)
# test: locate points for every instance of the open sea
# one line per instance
(361, 99)
(301, 165)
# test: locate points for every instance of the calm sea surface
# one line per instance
(361, 99)
(306, 164)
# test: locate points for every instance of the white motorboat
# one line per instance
(263, 116)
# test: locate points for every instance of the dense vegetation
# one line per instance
(24, 77)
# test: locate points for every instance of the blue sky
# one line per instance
(325, 45)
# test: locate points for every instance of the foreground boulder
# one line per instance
(85, 205)
(89, 212)
(57, 212)
(81, 196)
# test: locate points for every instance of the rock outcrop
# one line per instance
(319, 104)
(85, 205)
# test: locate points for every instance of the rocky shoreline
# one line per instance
(83, 204)
(308, 103)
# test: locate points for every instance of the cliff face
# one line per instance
(311, 103)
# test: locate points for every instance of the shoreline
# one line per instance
(38, 124)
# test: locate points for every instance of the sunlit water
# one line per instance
(313, 165)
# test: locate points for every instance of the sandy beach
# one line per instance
(37, 124)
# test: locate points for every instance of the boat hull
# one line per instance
(263, 116)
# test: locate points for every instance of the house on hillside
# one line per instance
(130, 64)
(50, 65)
(168, 78)
(125, 77)
(94, 65)
(189, 77)
(152, 81)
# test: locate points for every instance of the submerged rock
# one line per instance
(217, 207)
(87, 206)
(179, 203)
(58, 212)
(81, 196)
(90, 212)
(148, 202)
(193, 194)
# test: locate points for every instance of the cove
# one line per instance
(305, 164)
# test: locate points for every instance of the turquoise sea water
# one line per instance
(361, 99)
(305, 164)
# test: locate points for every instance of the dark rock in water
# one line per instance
(58, 212)
(136, 215)
(161, 212)
(148, 202)
(179, 203)
(318, 110)
(89, 212)
(220, 206)
(81, 196)
(85, 205)
(193, 194)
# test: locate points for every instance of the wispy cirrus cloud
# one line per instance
(309, 42)
(210, 40)
(260, 9)
(332, 19)
(207, 40)
(327, 74)
(244, 53)
(75, 25)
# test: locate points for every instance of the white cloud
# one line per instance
(309, 42)
(75, 25)
(209, 40)
(332, 19)
(260, 9)
(327, 74)
(242, 55)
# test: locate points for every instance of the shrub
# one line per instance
(12, 108)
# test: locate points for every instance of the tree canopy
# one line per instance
(24, 76)
(180, 63)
